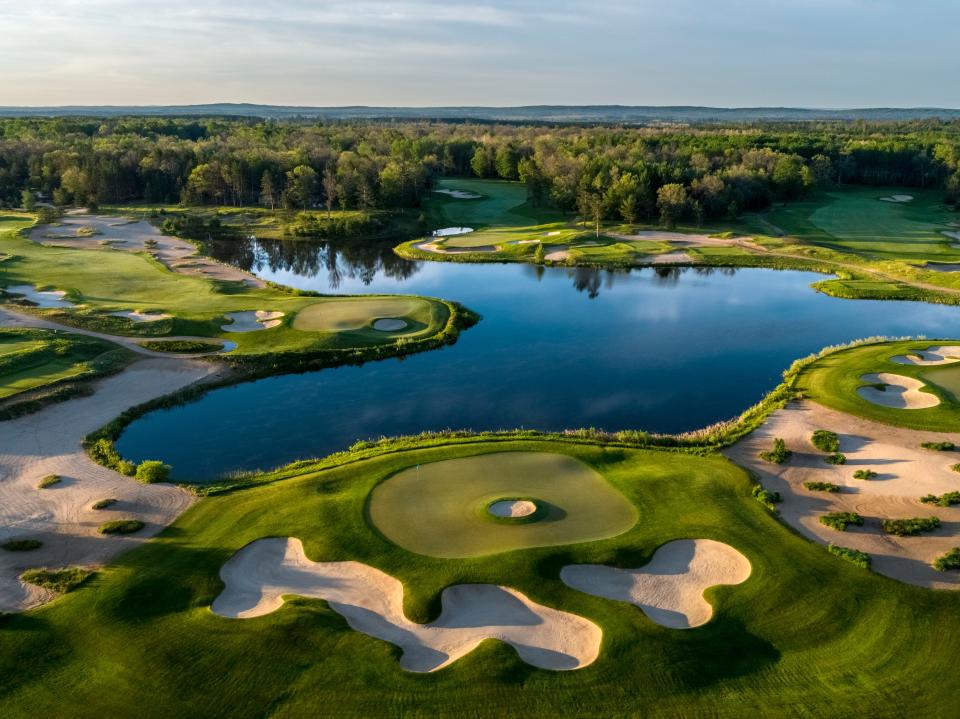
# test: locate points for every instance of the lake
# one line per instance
(663, 350)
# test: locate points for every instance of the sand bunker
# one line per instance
(897, 198)
(899, 393)
(258, 576)
(670, 588)
(138, 316)
(557, 256)
(512, 508)
(47, 299)
(942, 267)
(251, 321)
(930, 356)
(459, 194)
(389, 324)
(451, 231)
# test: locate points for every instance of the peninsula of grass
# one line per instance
(60, 581)
(910, 527)
(121, 526)
(841, 520)
(833, 380)
(854, 556)
(118, 632)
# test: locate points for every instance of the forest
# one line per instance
(609, 172)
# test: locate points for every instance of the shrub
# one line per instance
(861, 559)
(779, 454)
(180, 346)
(49, 481)
(126, 467)
(836, 458)
(841, 520)
(21, 545)
(822, 486)
(151, 471)
(766, 497)
(956, 468)
(865, 474)
(826, 441)
(121, 526)
(950, 560)
(103, 503)
(910, 527)
(939, 446)
(944, 500)
(57, 580)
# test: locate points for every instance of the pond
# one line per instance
(663, 350)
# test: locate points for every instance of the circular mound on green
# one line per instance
(389, 324)
(442, 509)
(354, 314)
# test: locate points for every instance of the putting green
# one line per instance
(359, 313)
(440, 509)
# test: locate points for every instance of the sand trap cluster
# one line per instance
(931, 356)
(670, 588)
(47, 299)
(900, 392)
(459, 194)
(251, 321)
(451, 231)
(389, 324)
(897, 198)
(512, 508)
(138, 316)
(258, 576)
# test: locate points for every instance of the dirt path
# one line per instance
(48, 442)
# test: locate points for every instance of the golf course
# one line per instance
(481, 442)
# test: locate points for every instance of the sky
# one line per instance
(728, 53)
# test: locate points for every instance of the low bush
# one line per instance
(180, 346)
(49, 481)
(841, 520)
(121, 526)
(956, 468)
(855, 556)
(57, 580)
(151, 471)
(950, 560)
(103, 503)
(826, 441)
(778, 454)
(939, 446)
(944, 500)
(21, 545)
(865, 474)
(822, 486)
(836, 458)
(766, 497)
(910, 527)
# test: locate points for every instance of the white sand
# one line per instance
(682, 239)
(258, 576)
(553, 233)
(670, 588)
(48, 442)
(451, 231)
(459, 194)
(672, 258)
(512, 509)
(123, 234)
(900, 393)
(437, 249)
(251, 321)
(906, 473)
(556, 256)
(138, 316)
(389, 324)
(897, 198)
(931, 356)
(46, 299)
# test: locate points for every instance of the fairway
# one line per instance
(354, 314)
(441, 509)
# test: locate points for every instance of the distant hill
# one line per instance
(531, 113)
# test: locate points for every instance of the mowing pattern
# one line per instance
(371, 601)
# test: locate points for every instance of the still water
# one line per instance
(663, 351)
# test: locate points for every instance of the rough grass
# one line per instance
(121, 526)
(60, 581)
(805, 635)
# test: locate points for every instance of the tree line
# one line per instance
(602, 172)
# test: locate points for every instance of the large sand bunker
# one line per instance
(670, 588)
(258, 576)
(931, 356)
(251, 321)
(47, 299)
(512, 508)
(899, 392)
(459, 194)
(451, 231)
(138, 316)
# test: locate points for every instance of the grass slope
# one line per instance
(808, 634)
